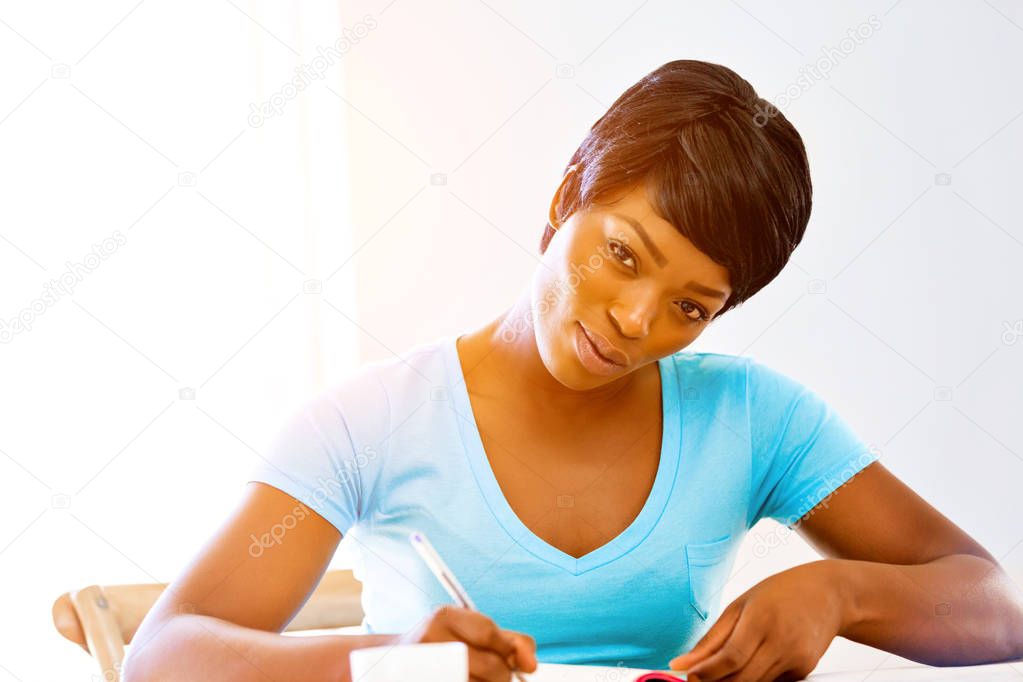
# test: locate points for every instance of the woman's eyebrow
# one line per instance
(661, 260)
(699, 288)
(647, 242)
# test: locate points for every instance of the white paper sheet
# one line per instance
(445, 663)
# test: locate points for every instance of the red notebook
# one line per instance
(560, 672)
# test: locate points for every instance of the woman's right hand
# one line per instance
(493, 652)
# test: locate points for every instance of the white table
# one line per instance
(913, 672)
(996, 672)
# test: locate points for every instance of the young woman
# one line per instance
(588, 480)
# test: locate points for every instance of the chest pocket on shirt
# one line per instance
(705, 562)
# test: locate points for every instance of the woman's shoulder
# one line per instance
(710, 361)
(711, 371)
(377, 391)
(406, 375)
(743, 384)
(745, 371)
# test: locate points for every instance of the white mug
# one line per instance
(433, 662)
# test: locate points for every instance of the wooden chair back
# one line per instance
(103, 619)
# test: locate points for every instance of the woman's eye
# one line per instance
(701, 316)
(621, 253)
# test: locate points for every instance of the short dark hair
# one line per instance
(721, 164)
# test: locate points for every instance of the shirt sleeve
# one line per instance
(802, 449)
(313, 458)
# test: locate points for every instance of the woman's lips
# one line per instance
(603, 348)
(590, 356)
(591, 359)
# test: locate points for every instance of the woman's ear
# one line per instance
(552, 214)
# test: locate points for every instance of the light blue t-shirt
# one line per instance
(394, 447)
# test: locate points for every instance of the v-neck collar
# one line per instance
(622, 543)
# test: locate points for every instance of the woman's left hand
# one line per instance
(776, 630)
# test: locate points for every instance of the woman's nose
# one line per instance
(633, 317)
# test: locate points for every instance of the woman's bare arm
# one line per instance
(192, 647)
(222, 617)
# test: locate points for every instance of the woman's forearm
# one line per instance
(193, 647)
(956, 610)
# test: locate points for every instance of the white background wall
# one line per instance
(261, 262)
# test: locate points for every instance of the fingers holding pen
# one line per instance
(493, 652)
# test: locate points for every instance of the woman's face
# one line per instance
(619, 274)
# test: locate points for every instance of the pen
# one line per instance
(446, 578)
